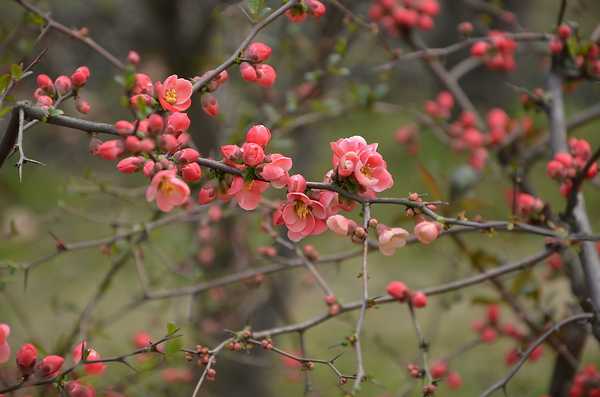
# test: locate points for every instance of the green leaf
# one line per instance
(16, 71)
(53, 112)
(4, 81)
(173, 346)
(256, 7)
(171, 328)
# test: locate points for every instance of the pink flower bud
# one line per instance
(82, 105)
(187, 155)
(206, 194)
(168, 142)
(133, 57)
(142, 339)
(397, 290)
(248, 72)
(133, 144)
(445, 100)
(488, 335)
(110, 150)
(76, 389)
(79, 77)
(419, 300)
(44, 82)
(155, 124)
(210, 106)
(149, 168)
(341, 225)
(124, 127)
(26, 358)
(45, 101)
(564, 158)
(296, 183)
(426, 232)
(191, 172)
(439, 369)
(49, 366)
(258, 52)
(253, 154)
(266, 75)
(564, 31)
(232, 154)
(317, 8)
(63, 85)
(454, 381)
(465, 28)
(258, 134)
(178, 123)
(479, 49)
(4, 332)
(130, 165)
(556, 46)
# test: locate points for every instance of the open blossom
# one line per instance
(390, 239)
(175, 94)
(277, 170)
(247, 193)
(371, 172)
(168, 190)
(302, 216)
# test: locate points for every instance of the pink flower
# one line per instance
(142, 339)
(133, 57)
(124, 127)
(341, 225)
(76, 389)
(168, 190)
(191, 172)
(4, 332)
(426, 232)
(110, 150)
(390, 239)
(277, 170)
(397, 290)
(26, 358)
(49, 366)
(247, 193)
(210, 105)
(206, 194)
(354, 144)
(371, 172)
(258, 52)
(130, 165)
(347, 164)
(143, 85)
(296, 183)
(302, 216)
(253, 154)
(266, 75)
(178, 123)
(258, 134)
(175, 94)
(248, 72)
(187, 155)
(4, 352)
(63, 85)
(92, 355)
(80, 76)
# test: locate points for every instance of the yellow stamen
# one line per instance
(171, 96)
(301, 209)
(366, 170)
(166, 187)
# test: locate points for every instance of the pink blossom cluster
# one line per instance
(400, 292)
(586, 382)
(254, 69)
(209, 102)
(464, 133)
(497, 52)
(525, 204)
(400, 16)
(300, 11)
(565, 166)
(439, 370)
(586, 55)
(557, 44)
(27, 359)
(48, 92)
(490, 328)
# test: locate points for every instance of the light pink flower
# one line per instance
(277, 170)
(390, 239)
(296, 183)
(341, 225)
(250, 193)
(110, 150)
(345, 145)
(371, 172)
(178, 123)
(347, 164)
(302, 216)
(426, 232)
(175, 94)
(168, 190)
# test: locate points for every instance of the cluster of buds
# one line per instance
(28, 364)
(557, 44)
(497, 52)
(205, 356)
(48, 92)
(82, 352)
(304, 8)
(240, 342)
(566, 166)
(526, 205)
(490, 328)
(439, 370)
(267, 344)
(209, 102)
(253, 68)
(400, 16)
(75, 388)
(333, 305)
(400, 292)
(425, 231)
(586, 383)
(585, 54)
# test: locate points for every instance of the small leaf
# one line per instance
(4, 80)
(256, 7)
(16, 71)
(171, 328)
(173, 346)
(53, 112)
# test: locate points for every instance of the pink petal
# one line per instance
(4, 352)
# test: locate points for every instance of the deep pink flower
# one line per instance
(4, 332)
(248, 72)
(26, 357)
(92, 355)
(253, 154)
(302, 216)
(296, 183)
(143, 85)
(206, 194)
(76, 389)
(110, 150)
(210, 106)
(168, 190)
(178, 123)
(4, 346)
(258, 52)
(266, 75)
(258, 134)
(354, 144)
(130, 165)
(371, 172)
(191, 172)
(175, 94)
(277, 170)
(249, 193)
(49, 366)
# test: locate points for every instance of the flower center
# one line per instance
(171, 96)
(301, 209)
(367, 171)
(166, 187)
